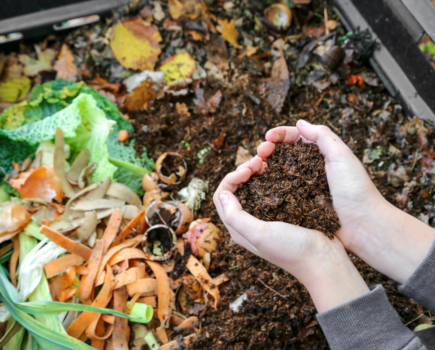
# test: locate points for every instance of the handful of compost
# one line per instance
(293, 189)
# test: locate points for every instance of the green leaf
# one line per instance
(42, 291)
(6, 257)
(55, 307)
(84, 125)
(46, 338)
(13, 328)
(11, 151)
(54, 96)
(131, 169)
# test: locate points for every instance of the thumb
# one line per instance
(330, 145)
(239, 220)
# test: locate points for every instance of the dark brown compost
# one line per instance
(293, 189)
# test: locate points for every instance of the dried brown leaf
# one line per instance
(140, 96)
(64, 66)
(229, 32)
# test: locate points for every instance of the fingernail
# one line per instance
(223, 198)
(305, 123)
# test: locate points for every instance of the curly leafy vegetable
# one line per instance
(52, 98)
(131, 169)
(83, 125)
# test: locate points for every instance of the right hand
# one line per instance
(386, 238)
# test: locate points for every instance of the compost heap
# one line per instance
(293, 189)
(206, 80)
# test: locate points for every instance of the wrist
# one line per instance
(333, 280)
(392, 241)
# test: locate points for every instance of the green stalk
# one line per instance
(151, 340)
(129, 166)
(33, 229)
(42, 292)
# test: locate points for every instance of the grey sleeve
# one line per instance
(420, 286)
(367, 323)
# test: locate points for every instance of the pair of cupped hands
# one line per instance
(385, 237)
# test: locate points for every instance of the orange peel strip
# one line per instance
(59, 265)
(144, 285)
(112, 229)
(87, 281)
(68, 244)
(120, 327)
(127, 254)
(126, 231)
(163, 293)
(112, 251)
(200, 273)
(82, 322)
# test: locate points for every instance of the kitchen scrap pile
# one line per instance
(100, 245)
(114, 137)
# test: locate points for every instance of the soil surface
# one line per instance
(268, 320)
(230, 111)
(293, 189)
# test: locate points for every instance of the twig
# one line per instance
(332, 126)
(415, 160)
(325, 13)
(415, 319)
(273, 290)
(169, 227)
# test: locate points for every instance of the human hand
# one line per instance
(321, 264)
(388, 239)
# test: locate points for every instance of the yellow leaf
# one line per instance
(229, 32)
(135, 45)
(176, 9)
(178, 67)
(44, 62)
(185, 9)
(14, 89)
(64, 66)
(194, 35)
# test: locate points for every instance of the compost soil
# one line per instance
(267, 320)
(225, 116)
(165, 217)
(293, 189)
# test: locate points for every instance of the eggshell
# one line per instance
(171, 179)
(149, 254)
(149, 182)
(151, 196)
(186, 219)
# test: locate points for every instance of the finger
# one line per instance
(236, 236)
(254, 164)
(234, 179)
(286, 134)
(239, 220)
(329, 143)
(265, 149)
